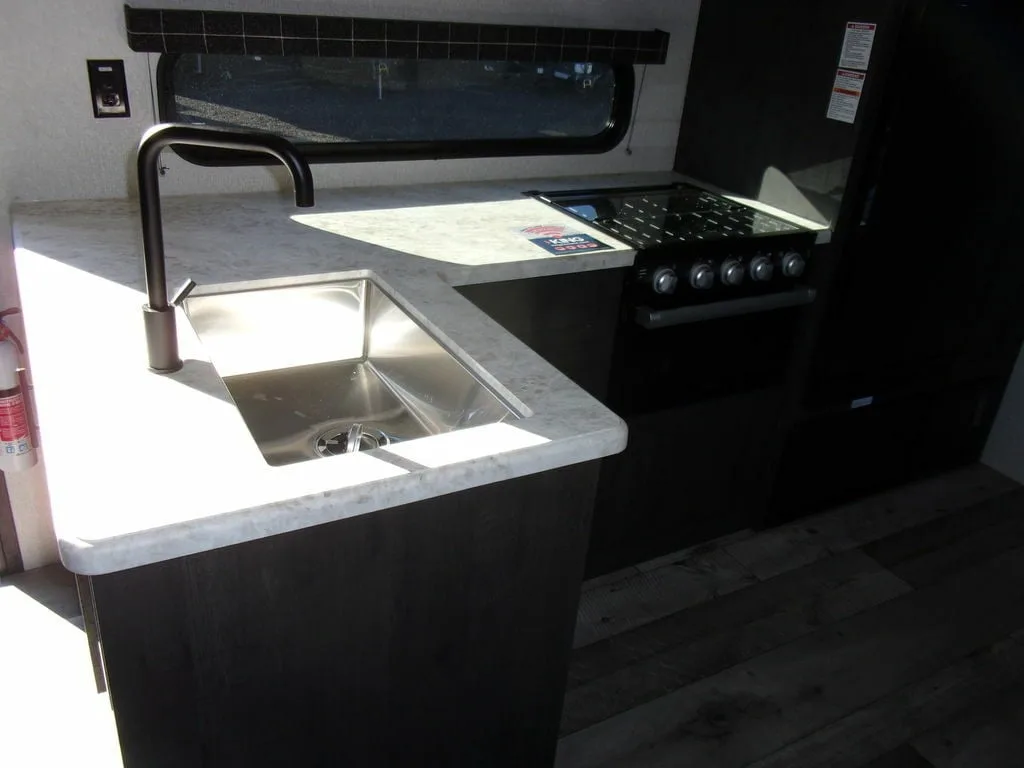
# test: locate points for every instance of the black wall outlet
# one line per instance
(108, 88)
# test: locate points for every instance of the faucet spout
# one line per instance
(161, 331)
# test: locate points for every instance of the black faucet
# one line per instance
(161, 331)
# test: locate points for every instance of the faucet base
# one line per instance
(161, 339)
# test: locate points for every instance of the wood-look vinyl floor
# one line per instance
(888, 633)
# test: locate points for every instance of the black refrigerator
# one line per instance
(900, 123)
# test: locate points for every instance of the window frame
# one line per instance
(384, 151)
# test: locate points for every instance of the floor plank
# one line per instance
(797, 544)
(755, 708)
(649, 595)
(901, 757)
(900, 716)
(926, 553)
(635, 667)
(646, 592)
(652, 565)
(697, 549)
(936, 534)
(990, 736)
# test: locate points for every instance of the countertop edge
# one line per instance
(81, 556)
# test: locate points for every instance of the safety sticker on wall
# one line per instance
(846, 93)
(857, 45)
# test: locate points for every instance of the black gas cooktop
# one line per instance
(648, 217)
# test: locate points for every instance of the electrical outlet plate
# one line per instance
(108, 88)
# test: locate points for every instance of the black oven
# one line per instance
(693, 344)
(707, 322)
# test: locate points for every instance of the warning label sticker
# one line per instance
(857, 45)
(846, 93)
(570, 243)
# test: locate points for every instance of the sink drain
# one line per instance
(351, 439)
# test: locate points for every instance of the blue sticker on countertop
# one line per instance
(570, 244)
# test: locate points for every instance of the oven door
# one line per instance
(703, 402)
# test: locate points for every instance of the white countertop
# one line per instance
(143, 468)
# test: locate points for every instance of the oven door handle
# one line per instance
(653, 318)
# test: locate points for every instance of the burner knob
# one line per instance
(761, 269)
(732, 272)
(665, 280)
(793, 264)
(702, 276)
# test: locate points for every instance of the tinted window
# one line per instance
(331, 103)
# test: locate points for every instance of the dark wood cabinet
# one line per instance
(689, 474)
(569, 320)
(435, 633)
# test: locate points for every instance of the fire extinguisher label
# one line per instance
(13, 425)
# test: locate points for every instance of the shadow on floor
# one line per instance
(53, 587)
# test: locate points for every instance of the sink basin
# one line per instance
(327, 367)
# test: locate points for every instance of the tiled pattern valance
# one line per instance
(272, 34)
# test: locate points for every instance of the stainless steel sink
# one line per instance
(331, 367)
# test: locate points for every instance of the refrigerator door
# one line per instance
(931, 282)
(761, 81)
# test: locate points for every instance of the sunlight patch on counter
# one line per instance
(466, 445)
(461, 233)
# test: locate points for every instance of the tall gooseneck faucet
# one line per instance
(161, 330)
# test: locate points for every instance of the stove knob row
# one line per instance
(761, 269)
(732, 272)
(664, 280)
(792, 264)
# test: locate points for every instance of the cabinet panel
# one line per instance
(688, 475)
(432, 634)
(569, 320)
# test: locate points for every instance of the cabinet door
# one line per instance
(688, 475)
(569, 320)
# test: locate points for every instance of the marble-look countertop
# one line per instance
(143, 468)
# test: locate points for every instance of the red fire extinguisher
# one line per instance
(15, 434)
